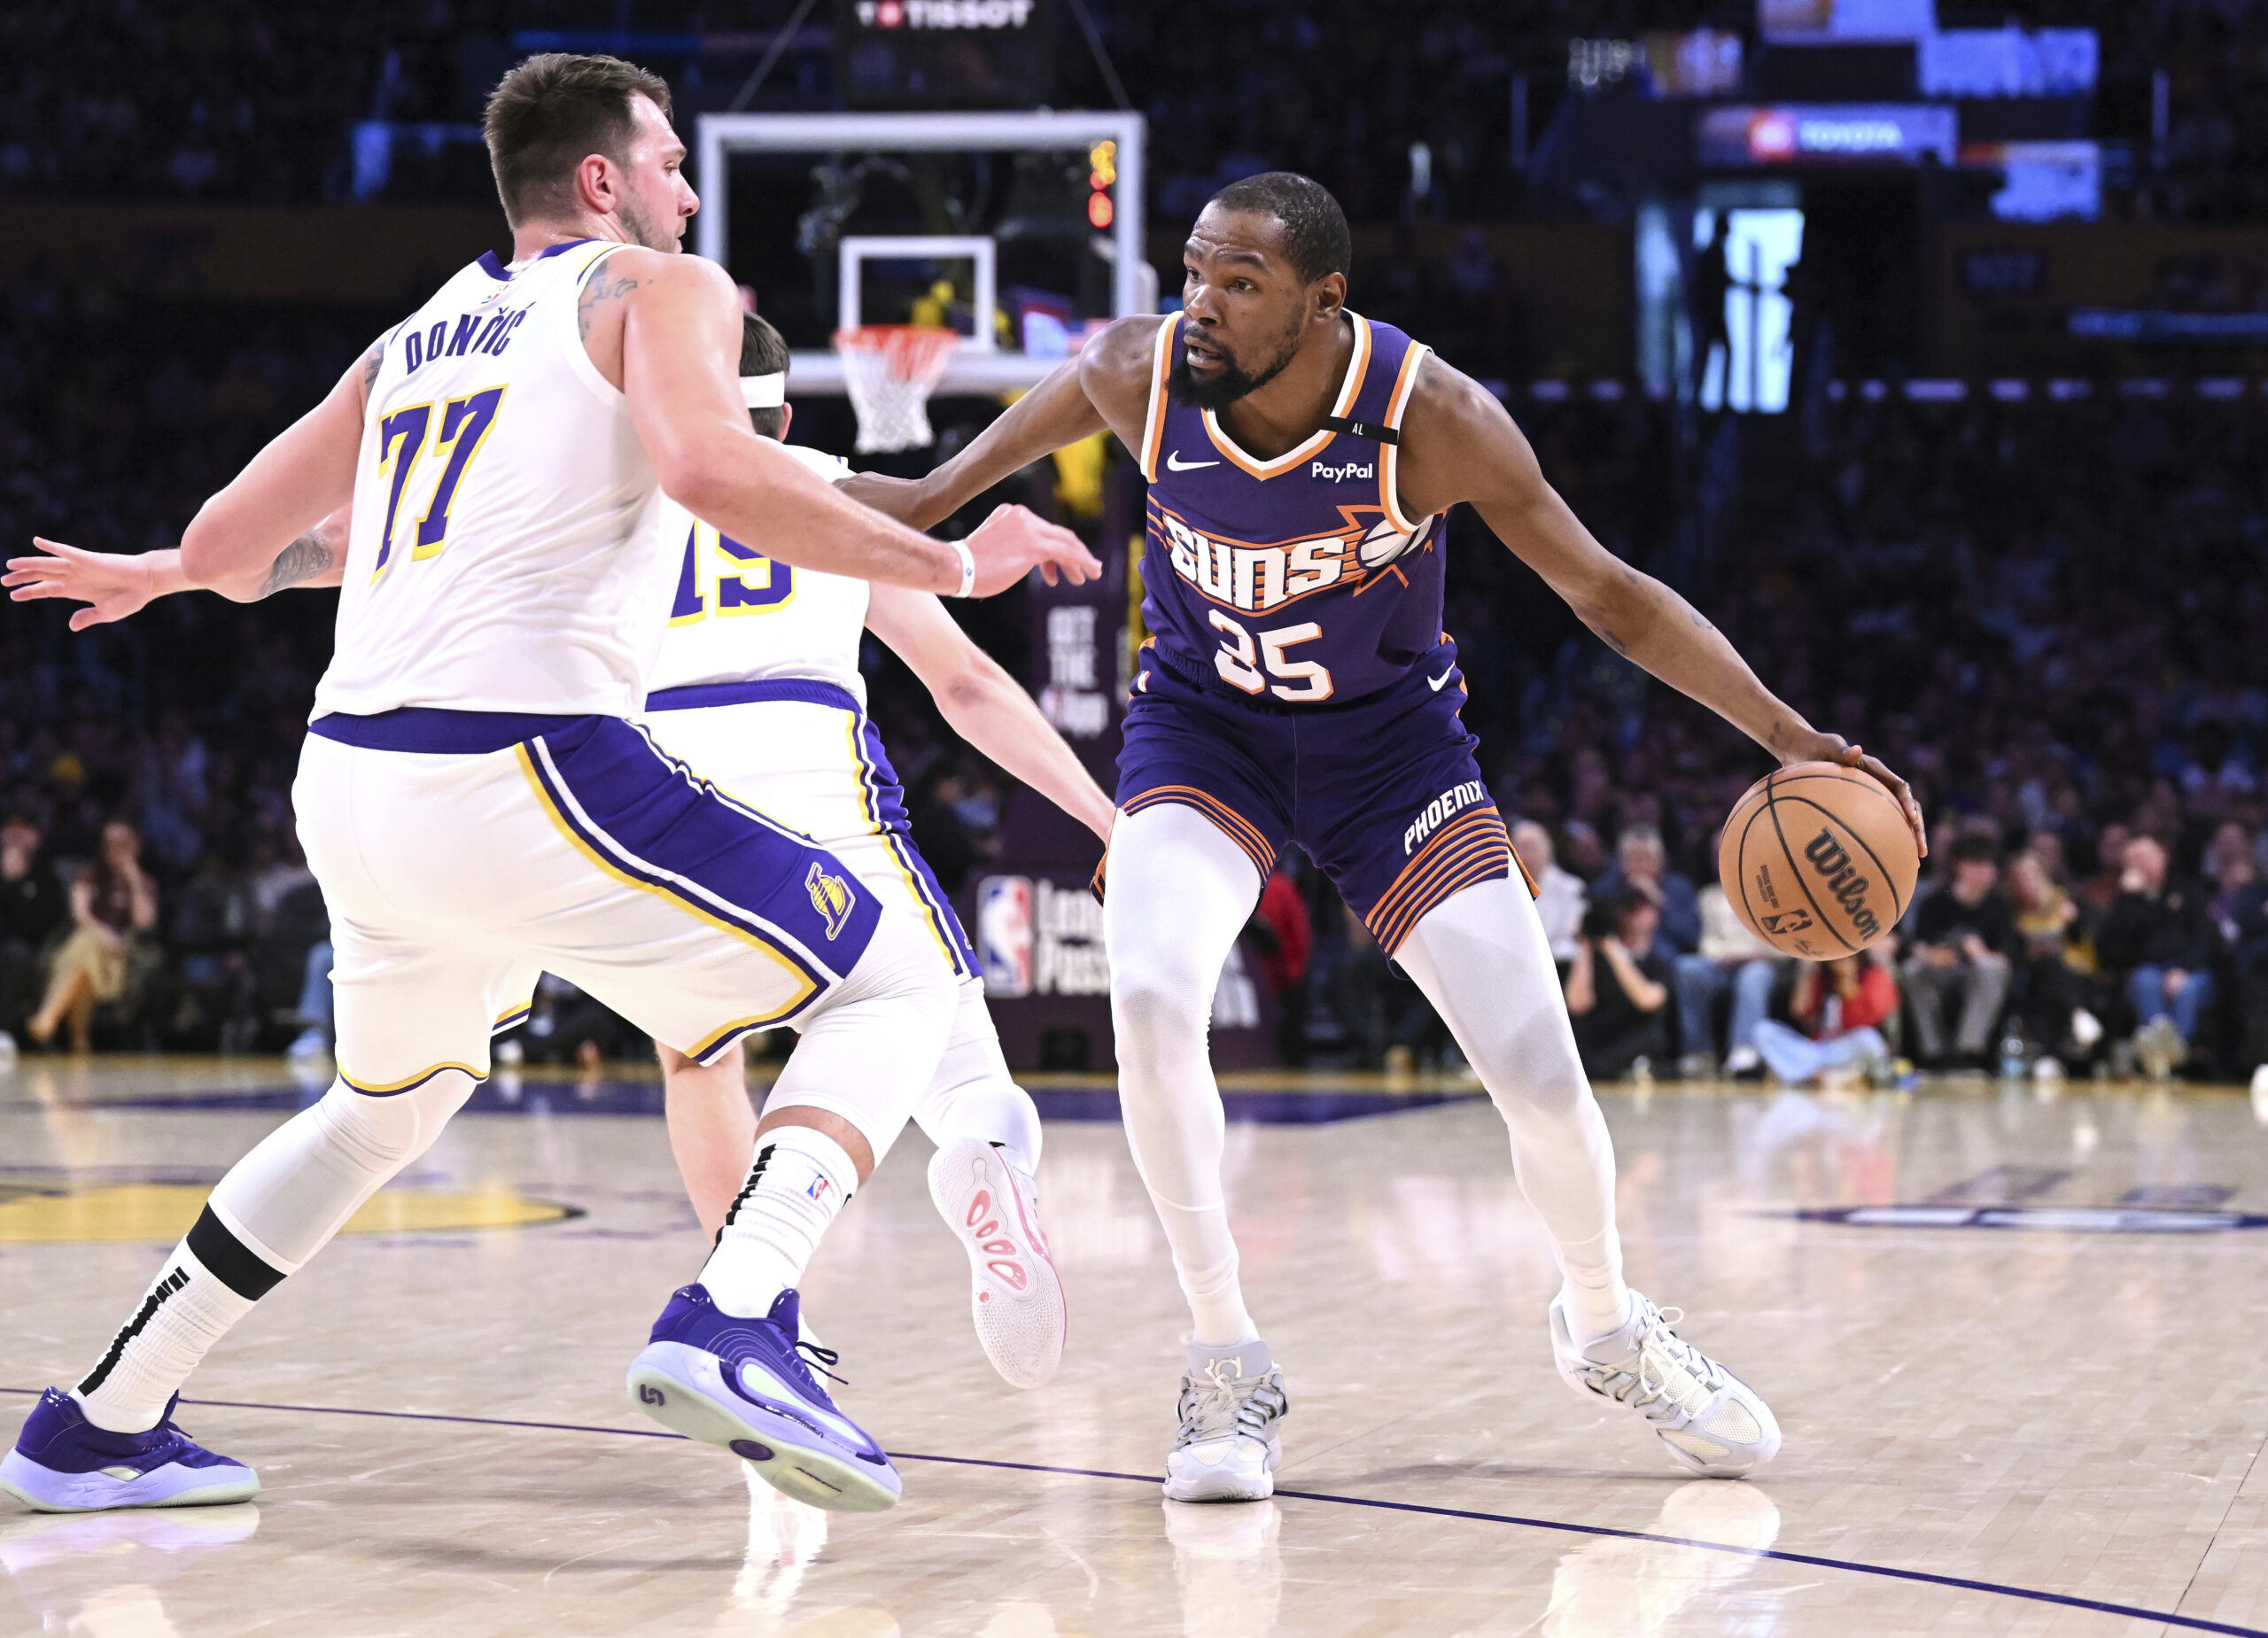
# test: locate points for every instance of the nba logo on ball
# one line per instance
(1004, 935)
(1818, 861)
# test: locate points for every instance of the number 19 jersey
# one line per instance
(504, 554)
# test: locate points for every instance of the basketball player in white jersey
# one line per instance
(477, 806)
(757, 685)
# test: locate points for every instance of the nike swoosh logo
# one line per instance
(1434, 683)
(1174, 463)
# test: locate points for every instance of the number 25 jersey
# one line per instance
(1296, 581)
(504, 554)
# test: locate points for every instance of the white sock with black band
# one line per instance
(801, 1178)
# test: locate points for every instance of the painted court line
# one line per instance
(2187, 1623)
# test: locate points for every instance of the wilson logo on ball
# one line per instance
(1843, 881)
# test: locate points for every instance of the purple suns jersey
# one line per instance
(1297, 580)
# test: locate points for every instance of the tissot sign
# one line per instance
(945, 53)
(1827, 133)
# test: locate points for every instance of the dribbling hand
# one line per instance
(113, 585)
(1014, 540)
(1833, 748)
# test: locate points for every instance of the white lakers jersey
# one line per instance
(504, 554)
(740, 616)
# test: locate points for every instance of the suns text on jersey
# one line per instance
(1256, 578)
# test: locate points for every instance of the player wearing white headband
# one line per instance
(757, 687)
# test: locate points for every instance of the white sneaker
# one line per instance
(1015, 1297)
(1231, 1402)
(1708, 1418)
(1743, 1060)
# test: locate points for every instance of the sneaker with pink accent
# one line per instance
(1015, 1297)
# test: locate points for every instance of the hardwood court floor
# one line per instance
(2034, 1404)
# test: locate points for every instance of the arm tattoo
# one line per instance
(371, 363)
(603, 287)
(304, 559)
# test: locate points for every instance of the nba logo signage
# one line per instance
(1004, 935)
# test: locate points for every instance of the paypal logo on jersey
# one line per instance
(1341, 473)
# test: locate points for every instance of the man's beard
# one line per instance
(1230, 385)
(643, 230)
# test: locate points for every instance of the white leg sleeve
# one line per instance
(867, 1055)
(276, 1208)
(1482, 959)
(1179, 892)
(304, 1179)
(973, 1094)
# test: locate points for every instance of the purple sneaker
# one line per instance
(64, 1464)
(745, 1383)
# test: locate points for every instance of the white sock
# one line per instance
(801, 1179)
(186, 1310)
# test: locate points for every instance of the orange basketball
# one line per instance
(1818, 860)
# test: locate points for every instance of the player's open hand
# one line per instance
(1014, 540)
(1835, 747)
(112, 585)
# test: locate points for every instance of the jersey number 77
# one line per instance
(459, 430)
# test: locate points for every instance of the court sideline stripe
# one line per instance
(2069, 1601)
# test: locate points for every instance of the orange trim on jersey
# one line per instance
(1389, 454)
(1154, 424)
(1350, 387)
(1233, 824)
(1473, 848)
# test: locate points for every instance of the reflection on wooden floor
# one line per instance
(2012, 1337)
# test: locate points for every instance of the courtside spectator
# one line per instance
(1840, 1008)
(111, 900)
(2158, 934)
(1730, 957)
(31, 908)
(1560, 895)
(1958, 937)
(1642, 861)
(1618, 990)
(2054, 975)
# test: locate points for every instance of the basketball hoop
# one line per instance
(891, 370)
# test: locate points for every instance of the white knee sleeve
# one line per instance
(298, 1188)
(867, 1054)
(973, 1095)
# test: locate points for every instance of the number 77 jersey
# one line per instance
(504, 554)
(1298, 580)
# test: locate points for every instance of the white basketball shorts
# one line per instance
(461, 853)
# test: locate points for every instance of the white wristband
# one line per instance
(968, 569)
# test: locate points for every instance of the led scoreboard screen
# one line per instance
(946, 53)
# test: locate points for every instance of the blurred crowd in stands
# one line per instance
(2048, 615)
(254, 99)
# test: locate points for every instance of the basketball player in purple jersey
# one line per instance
(1299, 687)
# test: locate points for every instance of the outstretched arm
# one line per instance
(983, 704)
(1458, 444)
(115, 586)
(304, 475)
(679, 330)
(1105, 387)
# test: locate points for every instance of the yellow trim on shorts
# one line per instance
(930, 914)
(408, 1082)
(559, 822)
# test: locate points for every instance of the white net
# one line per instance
(890, 370)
